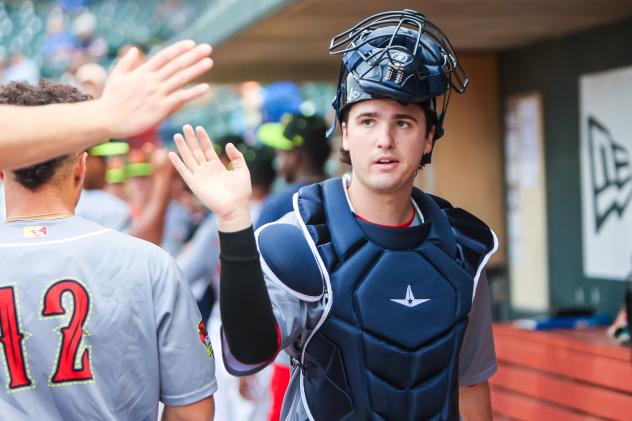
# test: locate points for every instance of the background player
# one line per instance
(302, 154)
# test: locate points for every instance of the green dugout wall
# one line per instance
(552, 69)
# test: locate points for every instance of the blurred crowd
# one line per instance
(54, 38)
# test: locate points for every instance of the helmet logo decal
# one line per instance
(400, 58)
(353, 95)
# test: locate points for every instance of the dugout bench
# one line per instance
(560, 375)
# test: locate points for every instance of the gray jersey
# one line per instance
(199, 259)
(296, 320)
(105, 208)
(177, 228)
(96, 325)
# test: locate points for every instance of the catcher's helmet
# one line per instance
(399, 55)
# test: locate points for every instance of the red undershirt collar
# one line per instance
(406, 224)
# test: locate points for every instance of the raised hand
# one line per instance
(226, 193)
(137, 95)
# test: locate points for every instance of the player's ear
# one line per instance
(345, 141)
(80, 168)
(429, 141)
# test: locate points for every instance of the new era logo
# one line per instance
(611, 173)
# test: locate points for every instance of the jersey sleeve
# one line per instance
(186, 361)
(477, 360)
(295, 318)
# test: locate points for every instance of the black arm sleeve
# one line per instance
(247, 318)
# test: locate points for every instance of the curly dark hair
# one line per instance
(44, 93)
(431, 121)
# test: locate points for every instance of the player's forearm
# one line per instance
(475, 402)
(35, 134)
(247, 318)
(149, 226)
(203, 410)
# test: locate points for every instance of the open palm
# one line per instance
(224, 192)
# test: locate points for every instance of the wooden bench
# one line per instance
(560, 375)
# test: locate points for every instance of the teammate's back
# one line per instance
(93, 309)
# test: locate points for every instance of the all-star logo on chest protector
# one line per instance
(410, 300)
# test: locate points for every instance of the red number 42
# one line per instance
(12, 338)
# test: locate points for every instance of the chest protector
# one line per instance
(396, 308)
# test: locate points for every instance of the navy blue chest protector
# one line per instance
(396, 309)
